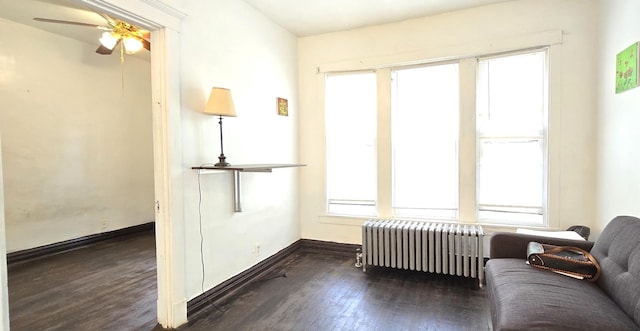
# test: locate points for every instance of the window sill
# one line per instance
(489, 227)
(343, 219)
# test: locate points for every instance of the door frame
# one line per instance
(163, 20)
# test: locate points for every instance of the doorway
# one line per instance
(164, 22)
(77, 144)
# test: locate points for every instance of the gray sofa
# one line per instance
(524, 298)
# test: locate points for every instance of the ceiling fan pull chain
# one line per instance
(122, 67)
(122, 75)
(121, 52)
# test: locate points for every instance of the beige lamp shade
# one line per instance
(220, 103)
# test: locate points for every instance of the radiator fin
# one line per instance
(440, 248)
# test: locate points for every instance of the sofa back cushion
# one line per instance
(618, 252)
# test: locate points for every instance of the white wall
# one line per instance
(470, 32)
(618, 133)
(229, 44)
(77, 152)
(4, 284)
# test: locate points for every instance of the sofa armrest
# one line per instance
(514, 245)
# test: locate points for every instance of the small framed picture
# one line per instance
(282, 107)
(627, 69)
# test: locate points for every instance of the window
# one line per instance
(424, 137)
(511, 112)
(466, 139)
(351, 111)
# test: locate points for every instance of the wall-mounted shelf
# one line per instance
(237, 169)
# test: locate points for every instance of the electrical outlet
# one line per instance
(104, 224)
(256, 249)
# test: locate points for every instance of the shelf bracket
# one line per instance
(237, 169)
(237, 204)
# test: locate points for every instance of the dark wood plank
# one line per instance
(67, 245)
(112, 286)
(312, 291)
(238, 282)
(109, 285)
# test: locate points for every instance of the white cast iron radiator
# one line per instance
(452, 249)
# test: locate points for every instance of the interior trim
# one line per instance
(325, 247)
(71, 244)
(158, 14)
(452, 52)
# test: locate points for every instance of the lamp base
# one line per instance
(222, 162)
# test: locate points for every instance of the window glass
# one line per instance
(351, 111)
(509, 153)
(425, 112)
(511, 115)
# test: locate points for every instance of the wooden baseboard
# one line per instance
(71, 244)
(237, 283)
(325, 247)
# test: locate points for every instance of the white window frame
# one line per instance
(545, 154)
(346, 207)
(446, 214)
(467, 57)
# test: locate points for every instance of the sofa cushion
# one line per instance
(618, 253)
(524, 298)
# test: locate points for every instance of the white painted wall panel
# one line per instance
(619, 117)
(77, 150)
(229, 44)
(475, 31)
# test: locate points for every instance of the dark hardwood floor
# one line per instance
(325, 292)
(106, 286)
(112, 286)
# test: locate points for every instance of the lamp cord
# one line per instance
(202, 245)
(218, 308)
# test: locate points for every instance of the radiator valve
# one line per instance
(358, 258)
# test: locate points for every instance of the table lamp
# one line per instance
(220, 104)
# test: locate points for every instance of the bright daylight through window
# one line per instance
(511, 143)
(424, 131)
(507, 114)
(351, 132)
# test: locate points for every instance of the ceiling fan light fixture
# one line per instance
(108, 40)
(132, 44)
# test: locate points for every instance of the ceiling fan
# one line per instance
(132, 38)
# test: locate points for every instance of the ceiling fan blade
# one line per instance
(50, 20)
(107, 18)
(146, 44)
(105, 51)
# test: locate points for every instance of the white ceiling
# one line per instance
(23, 11)
(300, 17)
(310, 17)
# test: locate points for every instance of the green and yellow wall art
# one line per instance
(627, 68)
(282, 106)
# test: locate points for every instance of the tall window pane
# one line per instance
(425, 112)
(511, 124)
(351, 108)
